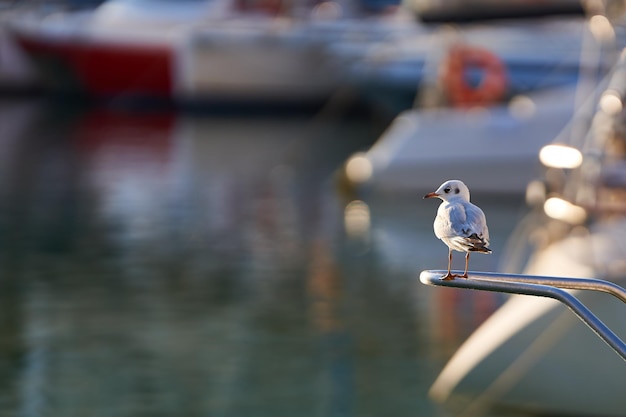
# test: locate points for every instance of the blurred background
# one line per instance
(214, 208)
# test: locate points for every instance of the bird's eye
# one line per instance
(456, 191)
(446, 190)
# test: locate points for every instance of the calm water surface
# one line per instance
(163, 265)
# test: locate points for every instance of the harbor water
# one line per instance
(163, 264)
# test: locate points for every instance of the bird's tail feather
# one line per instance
(478, 244)
(483, 249)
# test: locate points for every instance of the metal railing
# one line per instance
(550, 287)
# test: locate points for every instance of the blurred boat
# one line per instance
(494, 149)
(257, 60)
(199, 50)
(120, 47)
(275, 51)
(281, 59)
(489, 133)
(532, 354)
(533, 54)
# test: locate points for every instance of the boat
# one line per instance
(120, 47)
(224, 51)
(255, 61)
(283, 59)
(494, 149)
(526, 54)
(198, 50)
(533, 355)
(490, 135)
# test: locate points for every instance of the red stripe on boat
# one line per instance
(111, 69)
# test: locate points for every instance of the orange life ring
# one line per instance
(492, 86)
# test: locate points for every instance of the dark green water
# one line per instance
(164, 265)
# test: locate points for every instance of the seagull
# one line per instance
(459, 224)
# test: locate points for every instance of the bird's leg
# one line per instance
(466, 263)
(449, 275)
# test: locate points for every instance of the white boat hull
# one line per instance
(535, 355)
(492, 149)
(258, 65)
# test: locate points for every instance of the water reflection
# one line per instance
(161, 265)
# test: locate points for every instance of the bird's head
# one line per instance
(450, 190)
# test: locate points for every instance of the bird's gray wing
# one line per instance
(476, 222)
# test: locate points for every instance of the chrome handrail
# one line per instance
(550, 287)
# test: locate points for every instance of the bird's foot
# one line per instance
(463, 276)
(449, 277)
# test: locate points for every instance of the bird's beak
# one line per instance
(431, 195)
